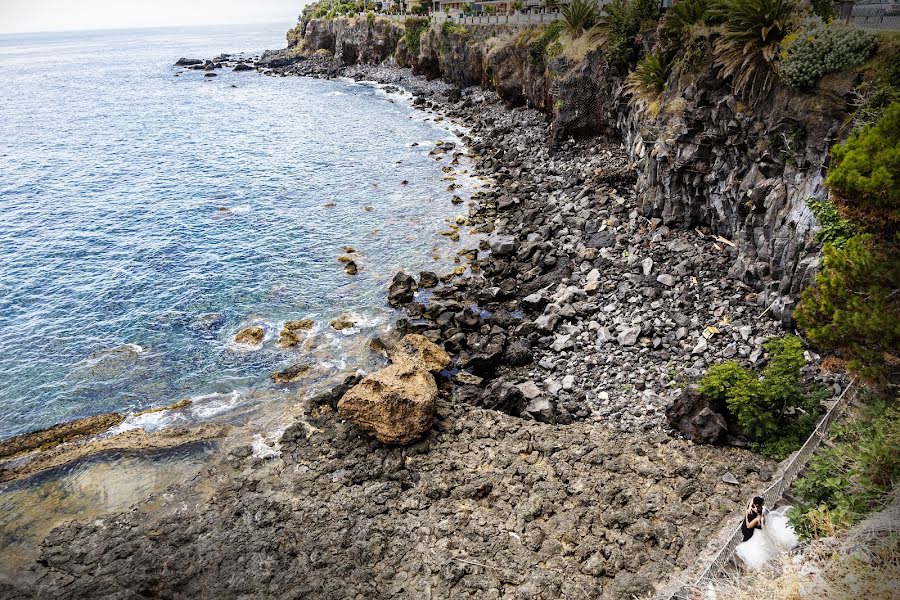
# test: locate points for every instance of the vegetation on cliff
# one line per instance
(818, 48)
(853, 307)
(853, 475)
(774, 408)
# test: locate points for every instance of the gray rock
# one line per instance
(502, 245)
(629, 335)
(562, 342)
(701, 346)
(666, 279)
(530, 390)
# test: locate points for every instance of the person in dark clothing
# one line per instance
(753, 518)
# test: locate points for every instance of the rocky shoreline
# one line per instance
(549, 471)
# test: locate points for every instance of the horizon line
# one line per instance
(145, 27)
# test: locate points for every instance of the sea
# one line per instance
(149, 213)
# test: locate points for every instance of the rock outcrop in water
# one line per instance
(53, 436)
(292, 331)
(250, 336)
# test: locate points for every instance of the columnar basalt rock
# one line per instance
(705, 160)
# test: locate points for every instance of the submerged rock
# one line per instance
(207, 322)
(395, 404)
(242, 67)
(343, 322)
(187, 62)
(57, 434)
(292, 374)
(250, 336)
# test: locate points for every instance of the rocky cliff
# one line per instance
(704, 158)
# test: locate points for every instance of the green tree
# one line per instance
(853, 307)
(865, 174)
(579, 16)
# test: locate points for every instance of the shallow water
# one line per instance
(145, 218)
(30, 509)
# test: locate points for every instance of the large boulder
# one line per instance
(401, 289)
(395, 404)
(691, 414)
(502, 245)
(420, 352)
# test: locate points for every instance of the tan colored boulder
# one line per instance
(250, 336)
(343, 322)
(419, 351)
(395, 404)
(290, 334)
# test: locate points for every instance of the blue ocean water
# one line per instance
(146, 217)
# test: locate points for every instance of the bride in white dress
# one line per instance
(766, 534)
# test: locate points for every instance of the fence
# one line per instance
(719, 551)
(883, 20)
(513, 19)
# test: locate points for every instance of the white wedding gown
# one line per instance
(775, 537)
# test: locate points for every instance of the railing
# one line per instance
(880, 20)
(719, 551)
(513, 19)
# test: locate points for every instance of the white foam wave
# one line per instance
(204, 407)
(267, 446)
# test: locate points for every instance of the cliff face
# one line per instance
(703, 156)
(353, 40)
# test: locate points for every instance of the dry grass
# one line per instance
(857, 566)
(676, 106)
(578, 48)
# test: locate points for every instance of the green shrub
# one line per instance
(852, 476)
(748, 47)
(823, 9)
(537, 51)
(879, 92)
(739, 390)
(819, 48)
(759, 404)
(834, 229)
(412, 37)
(854, 307)
(686, 13)
(649, 76)
(449, 27)
(295, 35)
(579, 16)
(788, 144)
(865, 174)
(620, 25)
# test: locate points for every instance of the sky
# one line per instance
(64, 15)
